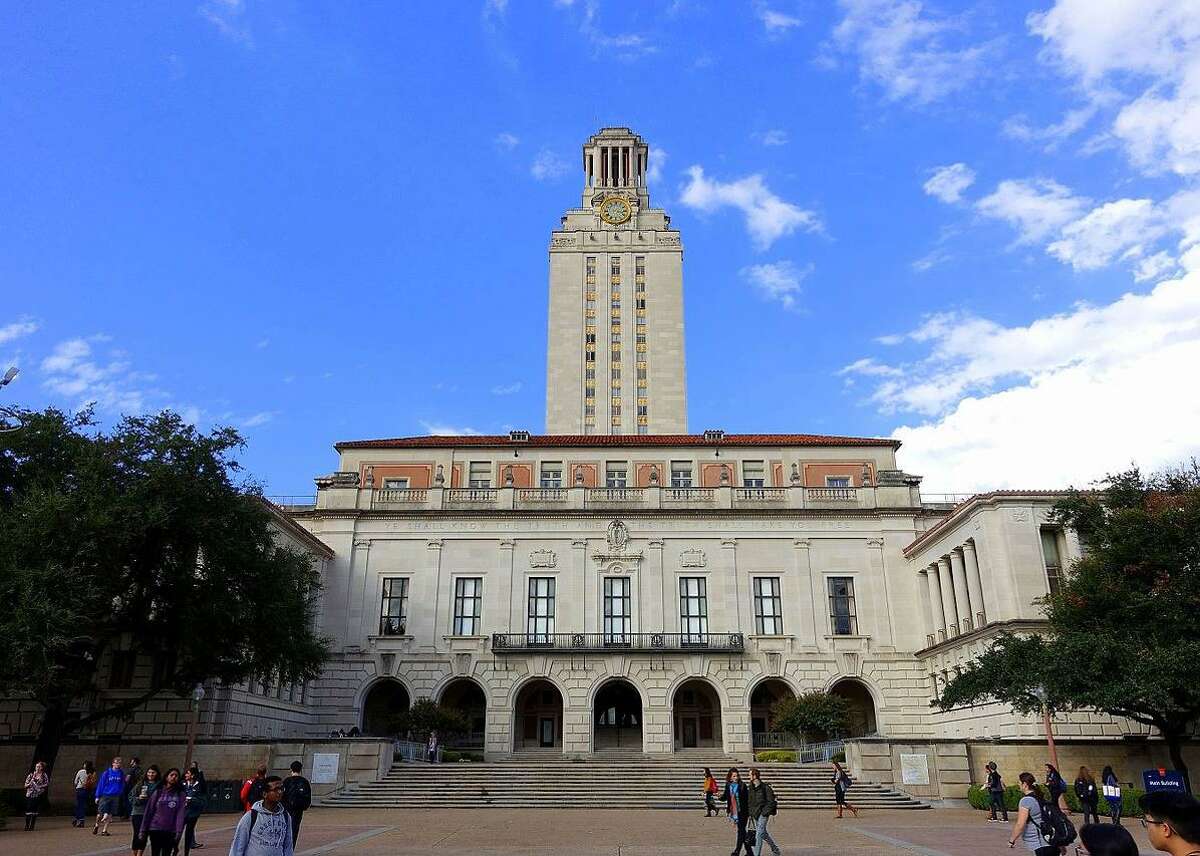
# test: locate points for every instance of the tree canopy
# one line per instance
(1123, 630)
(813, 716)
(144, 539)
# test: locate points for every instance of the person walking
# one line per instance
(1088, 794)
(109, 788)
(265, 830)
(1029, 818)
(132, 776)
(139, 799)
(1057, 787)
(736, 801)
(195, 794)
(995, 789)
(762, 805)
(166, 815)
(1172, 822)
(36, 785)
(431, 747)
(1111, 789)
(252, 788)
(841, 783)
(710, 790)
(85, 781)
(297, 797)
(1107, 840)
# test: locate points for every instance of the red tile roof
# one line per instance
(621, 440)
(960, 511)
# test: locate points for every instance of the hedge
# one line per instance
(980, 799)
(784, 756)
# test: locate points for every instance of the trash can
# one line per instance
(223, 796)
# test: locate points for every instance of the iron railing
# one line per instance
(812, 753)
(410, 750)
(514, 643)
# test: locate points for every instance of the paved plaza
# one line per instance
(954, 832)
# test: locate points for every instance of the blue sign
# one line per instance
(1163, 780)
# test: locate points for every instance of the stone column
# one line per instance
(580, 573)
(881, 630)
(654, 586)
(733, 590)
(961, 598)
(935, 603)
(974, 584)
(926, 613)
(948, 607)
(507, 580)
(805, 628)
(356, 595)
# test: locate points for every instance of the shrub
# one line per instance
(978, 796)
(813, 717)
(426, 715)
(840, 757)
(783, 756)
(449, 756)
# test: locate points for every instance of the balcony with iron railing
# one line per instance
(532, 643)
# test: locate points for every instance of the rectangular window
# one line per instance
(681, 473)
(618, 619)
(693, 610)
(837, 481)
(753, 473)
(639, 265)
(393, 614)
(551, 474)
(1053, 558)
(540, 624)
(395, 484)
(768, 607)
(468, 598)
(843, 619)
(479, 474)
(120, 676)
(616, 474)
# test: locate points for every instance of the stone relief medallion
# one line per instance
(618, 536)
(693, 558)
(543, 559)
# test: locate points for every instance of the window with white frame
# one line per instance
(837, 481)
(618, 617)
(393, 611)
(1052, 556)
(753, 473)
(681, 473)
(768, 607)
(616, 474)
(479, 474)
(540, 619)
(843, 618)
(395, 484)
(552, 474)
(468, 600)
(693, 610)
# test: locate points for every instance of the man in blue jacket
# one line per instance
(110, 787)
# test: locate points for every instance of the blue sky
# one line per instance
(965, 224)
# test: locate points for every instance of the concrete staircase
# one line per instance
(628, 781)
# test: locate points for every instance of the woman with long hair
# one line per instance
(1107, 840)
(710, 789)
(1057, 787)
(840, 783)
(166, 815)
(1088, 794)
(36, 785)
(736, 799)
(1112, 794)
(85, 780)
(1029, 818)
(139, 798)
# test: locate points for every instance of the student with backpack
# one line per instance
(841, 784)
(1111, 789)
(762, 805)
(252, 788)
(1088, 794)
(85, 782)
(1057, 786)
(1040, 825)
(266, 829)
(995, 789)
(297, 797)
(710, 790)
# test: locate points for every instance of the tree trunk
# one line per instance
(1174, 742)
(50, 735)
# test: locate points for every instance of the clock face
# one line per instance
(615, 210)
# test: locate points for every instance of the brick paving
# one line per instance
(491, 832)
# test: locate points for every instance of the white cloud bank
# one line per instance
(548, 166)
(768, 218)
(778, 281)
(947, 183)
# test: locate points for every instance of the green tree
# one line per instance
(814, 716)
(140, 539)
(1123, 630)
(427, 715)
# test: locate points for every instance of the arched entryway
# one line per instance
(696, 713)
(467, 697)
(539, 717)
(384, 701)
(617, 716)
(763, 699)
(862, 707)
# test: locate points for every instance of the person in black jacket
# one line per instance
(995, 789)
(1057, 786)
(1088, 794)
(736, 799)
(761, 804)
(297, 797)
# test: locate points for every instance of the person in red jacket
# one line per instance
(252, 789)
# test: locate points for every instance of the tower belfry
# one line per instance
(614, 359)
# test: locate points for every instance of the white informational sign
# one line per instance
(325, 768)
(914, 769)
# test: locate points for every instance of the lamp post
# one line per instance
(1042, 696)
(197, 697)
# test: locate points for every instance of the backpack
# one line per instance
(90, 782)
(297, 794)
(772, 803)
(254, 820)
(1055, 829)
(257, 787)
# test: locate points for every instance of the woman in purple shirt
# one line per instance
(165, 816)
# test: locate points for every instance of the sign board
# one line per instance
(325, 768)
(914, 769)
(1163, 780)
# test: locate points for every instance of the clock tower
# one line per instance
(614, 362)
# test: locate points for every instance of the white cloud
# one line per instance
(1117, 229)
(947, 183)
(507, 389)
(931, 260)
(1155, 267)
(870, 367)
(548, 166)
(777, 22)
(441, 429)
(1018, 127)
(228, 17)
(1036, 208)
(654, 168)
(768, 218)
(257, 419)
(1061, 400)
(777, 281)
(904, 50)
(508, 142)
(73, 371)
(17, 330)
(773, 137)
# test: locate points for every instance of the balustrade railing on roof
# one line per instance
(458, 495)
(759, 494)
(616, 494)
(688, 494)
(833, 494)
